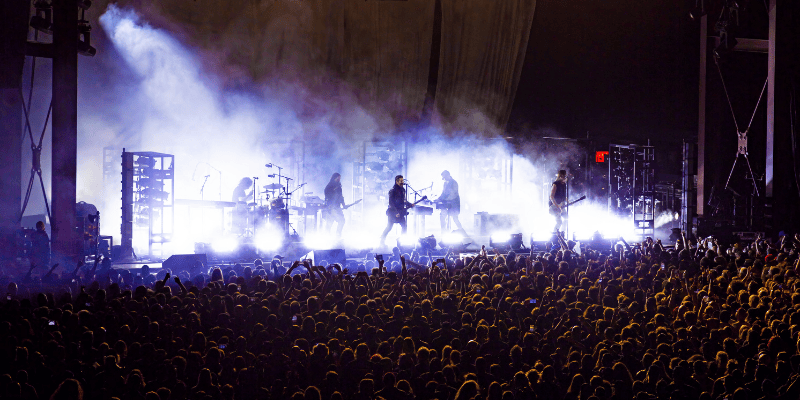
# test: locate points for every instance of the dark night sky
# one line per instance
(622, 69)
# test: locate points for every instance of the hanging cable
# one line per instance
(757, 103)
(36, 160)
(33, 74)
(725, 87)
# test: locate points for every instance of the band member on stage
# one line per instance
(334, 204)
(397, 208)
(449, 202)
(240, 193)
(240, 196)
(558, 198)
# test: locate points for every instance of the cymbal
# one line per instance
(273, 186)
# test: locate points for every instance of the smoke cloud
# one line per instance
(150, 90)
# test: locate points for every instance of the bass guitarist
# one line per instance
(398, 207)
(334, 204)
(558, 198)
(449, 203)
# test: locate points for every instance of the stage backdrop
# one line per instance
(483, 49)
(374, 52)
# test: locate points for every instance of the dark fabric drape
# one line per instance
(482, 53)
(376, 53)
(387, 47)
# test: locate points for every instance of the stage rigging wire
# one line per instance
(730, 104)
(36, 150)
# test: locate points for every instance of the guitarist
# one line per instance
(449, 202)
(334, 204)
(397, 208)
(558, 197)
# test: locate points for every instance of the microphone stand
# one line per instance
(255, 191)
(416, 193)
(202, 197)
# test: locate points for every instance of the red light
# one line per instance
(600, 156)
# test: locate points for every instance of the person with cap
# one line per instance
(449, 202)
(558, 198)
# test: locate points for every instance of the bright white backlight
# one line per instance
(407, 241)
(225, 245)
(452, 238)
(501, 237)
(319, 240)
(269, 241)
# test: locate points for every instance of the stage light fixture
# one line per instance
(698, 11)
(455, 241)
(427, 243)
(43, 20)
(85, 39)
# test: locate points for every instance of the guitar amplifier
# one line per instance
(422, 210)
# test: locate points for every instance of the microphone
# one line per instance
(271, 176)
(207, 176)
(269, 165)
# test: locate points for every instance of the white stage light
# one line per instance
(269, 241)
(319, 241)
(225, 245)
(452, 238)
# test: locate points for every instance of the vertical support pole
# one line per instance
(770, 159)
(14, 17)
(701, 117)
(66, 240)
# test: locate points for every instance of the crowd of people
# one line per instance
(693, 320)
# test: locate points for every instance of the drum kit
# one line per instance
(271, 207)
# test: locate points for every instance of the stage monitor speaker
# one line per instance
(180, 262)
(333, 256)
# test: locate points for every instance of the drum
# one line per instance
(279, 218)
(277, 203)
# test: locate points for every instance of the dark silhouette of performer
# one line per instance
(240, 193)
(558, 198)
(240, 196)
(334, 204)
(449, 202)
(397, 208)
(40, 249)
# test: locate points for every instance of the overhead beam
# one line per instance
(748, 45)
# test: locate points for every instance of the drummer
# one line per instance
(240, 193)
(240, 197)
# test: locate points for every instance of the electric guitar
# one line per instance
(393, 212)
(556, 211)
(352, 204)
(328, 210)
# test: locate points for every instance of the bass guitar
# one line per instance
(556, 211)
(400, 213)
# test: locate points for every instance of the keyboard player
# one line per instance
(449, 203)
